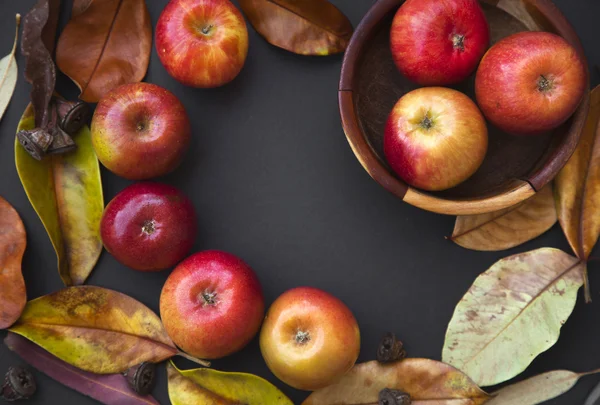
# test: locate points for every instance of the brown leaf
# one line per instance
(49, 30)
(577, 187)
(12, 246)
(79, 6)
(105, 45)
(509, 227)
(306, 27)
(427, 382)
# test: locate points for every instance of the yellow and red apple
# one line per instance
(309, 338)
(202, 43)
(435, 138)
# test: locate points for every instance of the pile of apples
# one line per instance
(212, 304)
(526, 84)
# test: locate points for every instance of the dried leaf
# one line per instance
(95, 329)
(66, 192)
(106, 44)
(109, 389)
(206, 386)
(427, 382)
(507, 228)
(512, 311)
(538, 389)
(39, 70)
(8, 74)
(13, 295)
(308, 27)
(577, 187)
(49, 30)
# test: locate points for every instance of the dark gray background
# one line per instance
(274, 181)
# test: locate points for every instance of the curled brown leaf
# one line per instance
(308, 27)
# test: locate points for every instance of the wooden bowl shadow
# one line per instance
(515, 168)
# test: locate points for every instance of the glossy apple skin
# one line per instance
(426, 42)
(447, 153)
(507, 82)
(149, 226)
(212, 331)
(202, 43)
(140, 131)
(330, 351)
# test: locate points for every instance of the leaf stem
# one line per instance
(195, 360)
(14, 48)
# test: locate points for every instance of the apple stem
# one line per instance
(195, 360)
(544, 84)
(206, 29)
(427, 123)
(458, 41)
(302, 337)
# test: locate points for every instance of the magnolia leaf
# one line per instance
(13, 240)
(538, 389)
(509, 227)
(207, 386)
(8, 73)
(106, 44)
(308, 27)
(577, 187)
(512, 311)
(95, 329)
(109, 389)
(427, 382)
(66, 192)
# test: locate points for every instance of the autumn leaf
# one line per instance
(13, 295)
(538, 389)
(8, 74)
(66, 192)
(509, 227)
(513, 311)
(427, 382)
(207, 386)
(106, 44)
(308, 27)
(95, 329)
(109, 389)
(578, 187)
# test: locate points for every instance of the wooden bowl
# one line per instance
(515, 168)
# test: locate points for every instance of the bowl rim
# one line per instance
(522, 188)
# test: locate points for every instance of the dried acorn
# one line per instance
(71, 115)
(390, 349)
(141, 378)
(393, 397)
(18, 384)
(36, 142)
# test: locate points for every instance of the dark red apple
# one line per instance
(149, 226)
(530, 82)
(435, 138)
(212, 304)
(439, 42)
(202, 43)
(140, 131)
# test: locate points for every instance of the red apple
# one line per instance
(309, 338)
(212, 304)
(140, 131)
(530, 82)
(202, 43)
(149, 226)
(435, 138)
(439, 42)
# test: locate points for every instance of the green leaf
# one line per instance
(66, 193)
(512, 313)
(538, 389)
(8, 74)
(205, 386)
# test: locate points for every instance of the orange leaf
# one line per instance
(105, 45)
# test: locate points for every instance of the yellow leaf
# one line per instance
(66, 193)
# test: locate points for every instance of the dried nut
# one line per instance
(71, 115)
(18, 384)
(62, 142)
(141, 378)
(390, 349)
(393, 397)
(36, 142)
